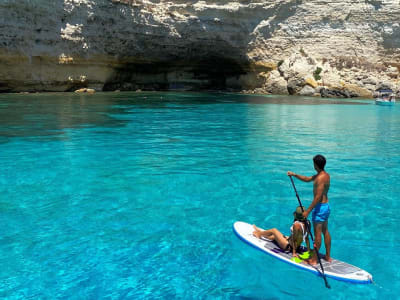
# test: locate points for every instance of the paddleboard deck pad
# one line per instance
(336, 269)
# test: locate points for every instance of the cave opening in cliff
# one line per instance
(210, 73)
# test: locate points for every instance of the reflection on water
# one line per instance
(47, 115)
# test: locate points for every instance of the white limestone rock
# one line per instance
(137, 43)
(307, 91)
(276, 84)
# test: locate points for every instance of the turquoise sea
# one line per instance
(133, 195)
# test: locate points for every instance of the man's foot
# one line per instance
(311, 262)
(328, 259)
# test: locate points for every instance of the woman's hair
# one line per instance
(320, 161)
(298, 214)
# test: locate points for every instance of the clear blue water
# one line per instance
(133, 195)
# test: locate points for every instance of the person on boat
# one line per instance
(320, 207)
(299, 234)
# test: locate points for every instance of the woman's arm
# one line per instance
(293, 244)
(308, 243)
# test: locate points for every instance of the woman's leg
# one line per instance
(271, 234)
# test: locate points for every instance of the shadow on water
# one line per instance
(48, 115)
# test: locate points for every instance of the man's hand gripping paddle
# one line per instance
(309, 232)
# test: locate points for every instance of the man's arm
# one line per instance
(301, 177)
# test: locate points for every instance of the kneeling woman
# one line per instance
(291, 243)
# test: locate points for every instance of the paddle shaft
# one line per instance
(309, 231)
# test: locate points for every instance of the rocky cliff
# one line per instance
(334, 48)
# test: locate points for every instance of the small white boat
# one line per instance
(385, 97)
(384, 102)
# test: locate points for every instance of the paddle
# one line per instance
(309, 231)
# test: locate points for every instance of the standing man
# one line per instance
(319, 206)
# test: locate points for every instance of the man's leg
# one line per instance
(327, 240)
(317, 234)
(317, 242)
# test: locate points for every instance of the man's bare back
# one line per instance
(322, 181)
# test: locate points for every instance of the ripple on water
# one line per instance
(119, 196)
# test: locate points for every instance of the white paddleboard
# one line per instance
(336, 269)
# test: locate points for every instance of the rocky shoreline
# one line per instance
(302, 75)
(289, 47)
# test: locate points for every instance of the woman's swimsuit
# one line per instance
(305, 234)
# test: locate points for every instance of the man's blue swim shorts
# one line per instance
(321, 212)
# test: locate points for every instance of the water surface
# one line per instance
(133, 195)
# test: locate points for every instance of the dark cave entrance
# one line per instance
(210, 73)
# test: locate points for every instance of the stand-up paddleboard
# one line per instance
(336, 269)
